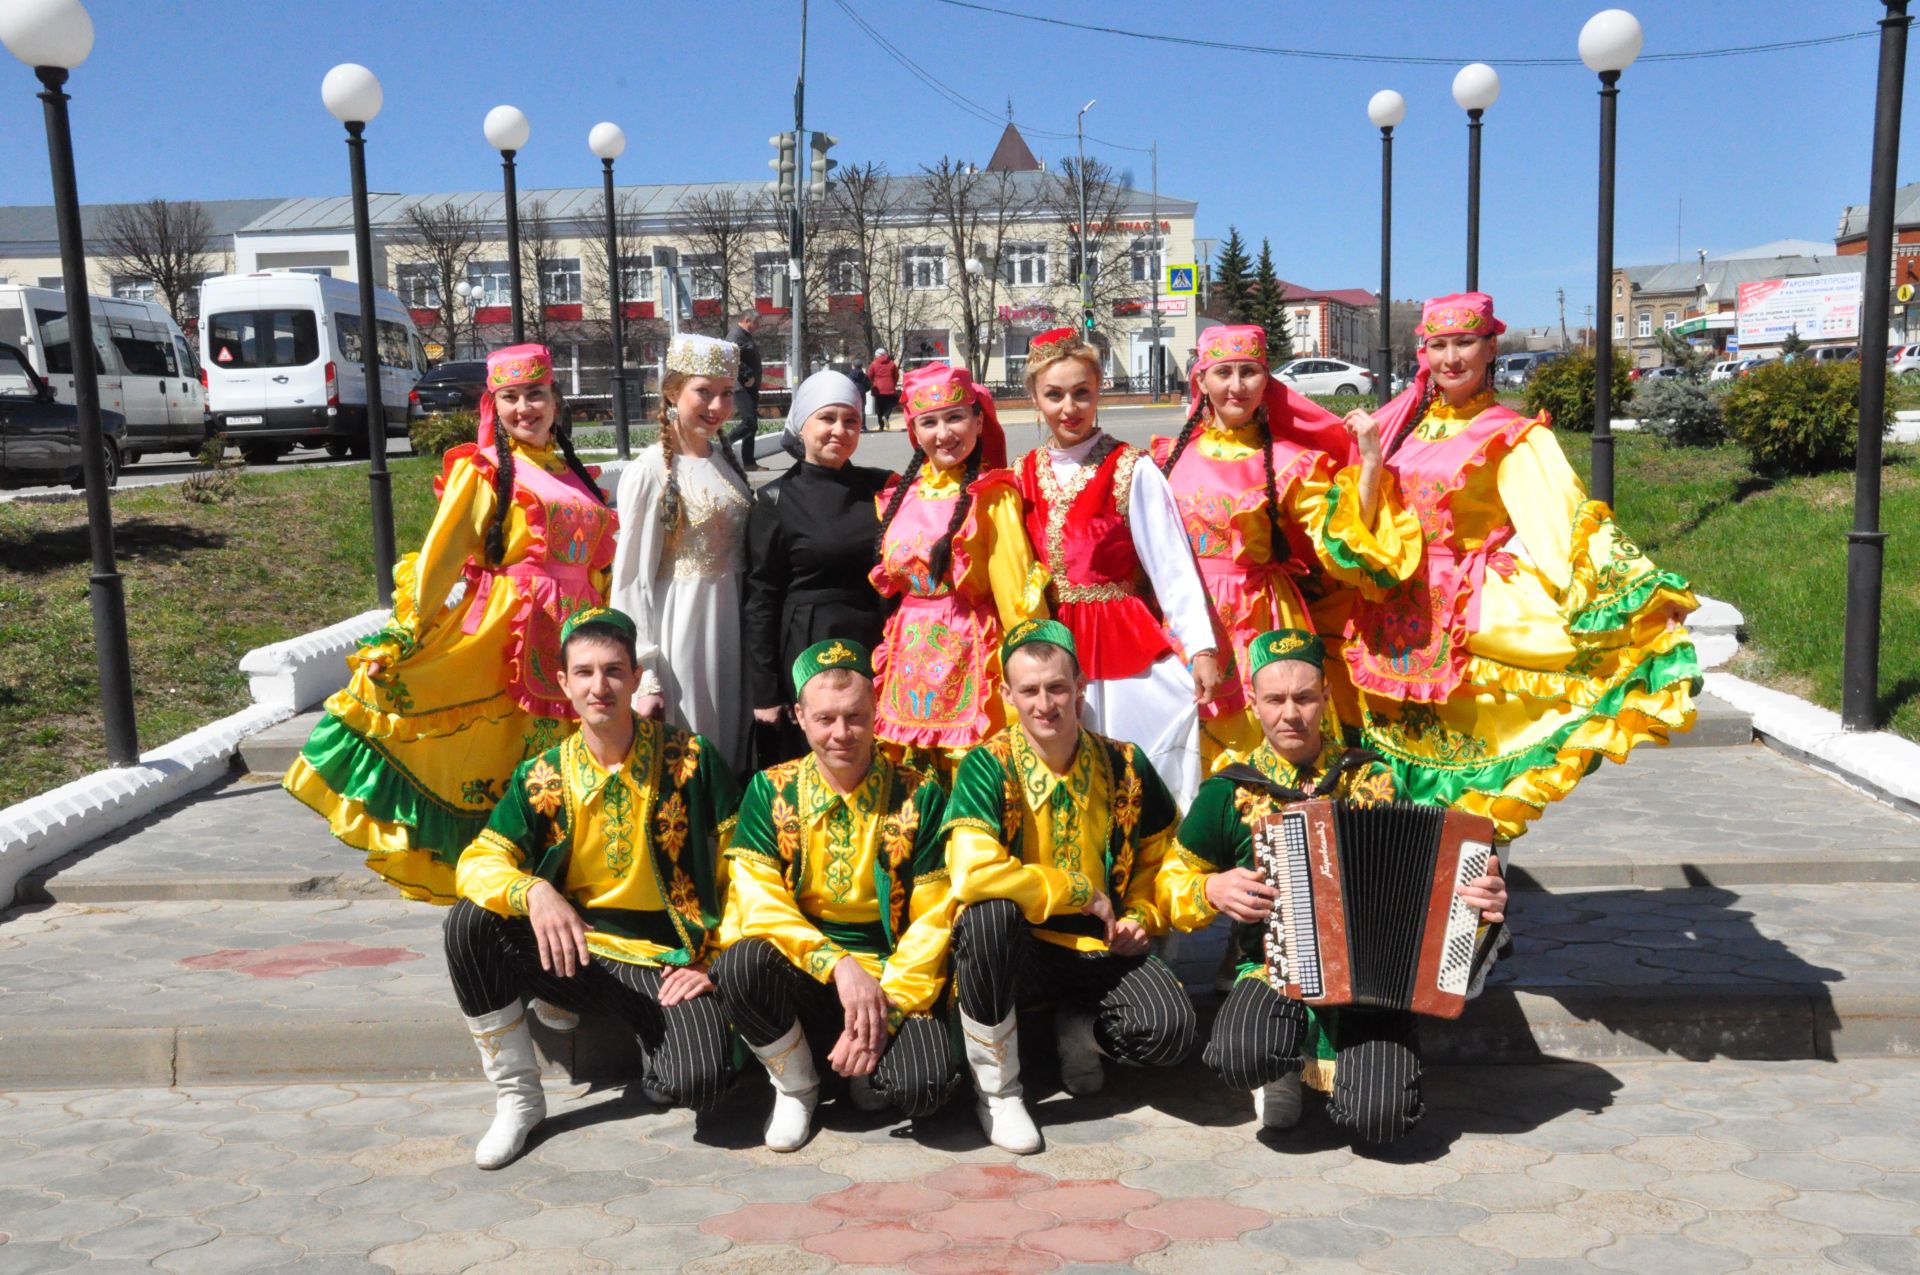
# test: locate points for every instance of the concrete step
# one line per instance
(193, 992)
(269, 753)
(1716, 724)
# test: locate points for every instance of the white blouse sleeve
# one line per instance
(1161, 542)
(636, 561)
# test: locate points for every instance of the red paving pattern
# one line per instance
(986, 1217)
(295, 960)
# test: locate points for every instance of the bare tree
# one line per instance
(440, 241)
(598, 278)
(543, 281)
(1106, 248)
(860, 228)
(164, 242)
(976, 215)
(721, 227)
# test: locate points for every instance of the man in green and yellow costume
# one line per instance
(1057, 837)
(1367, 1061)
(593, 888)
(838, 912)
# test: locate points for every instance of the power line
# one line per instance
(1391, 59)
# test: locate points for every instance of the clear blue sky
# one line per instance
(197, 99)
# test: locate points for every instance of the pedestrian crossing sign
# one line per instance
(1180, 280)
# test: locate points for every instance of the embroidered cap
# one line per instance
(698, 355)
(1469, 313)
(1053, 336)
(527, 364)
(831, 654)
(1051, 632)
(934, 387)
(1286, 644)
(1231, 343)
(619, 621)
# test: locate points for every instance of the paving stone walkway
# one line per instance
(1663, 1167)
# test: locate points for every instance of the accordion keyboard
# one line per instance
(1302, 937)
(1463, 923)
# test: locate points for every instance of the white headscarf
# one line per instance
(824, 388)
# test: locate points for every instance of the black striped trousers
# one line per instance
(765, 994)
(495, 961)
(1259, 1035)
(1141, 1013)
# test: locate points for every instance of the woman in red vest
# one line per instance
(1104, 524)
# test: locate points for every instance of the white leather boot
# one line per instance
(993, 1055)
(1081, 1071)
(553, 1016)
(506, 1055)
(1278, 1103)
(796, 1089)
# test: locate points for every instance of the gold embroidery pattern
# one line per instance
(545, 789)
(616, 803)
(489, 1042)
(1123, 482)
(840, 851)
(670, 825)
(681, 758)
(996, 1049)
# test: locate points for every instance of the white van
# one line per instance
(146, 368)
(281, 350)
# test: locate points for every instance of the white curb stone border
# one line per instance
(1878, 763)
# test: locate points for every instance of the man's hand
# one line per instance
(1488, 893)
(559, 929)
(1242, 894)
(1101, 906)
(1129, 938)
(769, 715)
(1206, 677)
(683, 983)
(864, 1008)
(651, 707)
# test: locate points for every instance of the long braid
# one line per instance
(1278, 547)
(724, 450)
(942, 556)
(496, 540)
(1411, 423)
(1194, 418)
(915, 464)
(670, 503)
(563, 436)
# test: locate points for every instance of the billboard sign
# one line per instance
(1821, 307)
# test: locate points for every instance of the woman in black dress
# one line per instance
(810, 544)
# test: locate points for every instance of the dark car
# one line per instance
(451, 387)
(40, 436)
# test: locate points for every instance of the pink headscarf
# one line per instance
(1457, 313)
(515, 365)
(1289, 415)
(932, 387)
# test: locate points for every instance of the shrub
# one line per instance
(1797, 417)
(212, 487)
(1681, 411)
(1564, 388)
(213, 452)
(437, 435)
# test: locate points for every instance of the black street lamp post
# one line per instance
(53, 39)
(1866, 543)
(507, 131)
(607, 141)
(1386, 109)
(1608, 45)
(1475, 88)
(352, 95)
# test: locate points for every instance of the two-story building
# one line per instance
(1698, 300)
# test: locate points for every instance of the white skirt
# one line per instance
(1155, 710)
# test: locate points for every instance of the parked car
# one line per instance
(281, 354)
(1326, 376)
(1723, 370)
(145, 368)
(40, 435)
(1903, 358)
(1834, 353)
(1663, 373)
(451, 387)
(1543, 359)
(1510, 370)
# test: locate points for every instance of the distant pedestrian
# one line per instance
(884, 376)
(746, 392)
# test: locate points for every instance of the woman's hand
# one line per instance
(1206, 677)
(373, 669)
(769, 715)
(1366, 440)
(652, 707)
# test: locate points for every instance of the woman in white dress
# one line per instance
(682, 552)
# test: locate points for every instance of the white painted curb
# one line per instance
(300, 672)
(1878, 763)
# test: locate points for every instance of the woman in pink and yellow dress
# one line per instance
(1280, 522)
(452, 694)
(1536, 638)
(953, 548)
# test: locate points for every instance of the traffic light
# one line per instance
(820, 144)
(1086, 320)
(785, 164)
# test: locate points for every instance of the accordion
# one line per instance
(1366, 913)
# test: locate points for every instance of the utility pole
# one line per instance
(1154, 259)
(1562, 294)
(1086, 279)
(797, 229)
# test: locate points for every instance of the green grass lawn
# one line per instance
(206, 583)
(1778, 551)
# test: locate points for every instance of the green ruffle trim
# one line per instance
(358, 771)
(1429, 785)
(392, 635)
(1338, 550)
(1613, 615)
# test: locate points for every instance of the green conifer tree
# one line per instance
(1233, 280)
(1270, 308)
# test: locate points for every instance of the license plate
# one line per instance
(246, 420)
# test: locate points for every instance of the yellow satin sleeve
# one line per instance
(1017, 581)
(423, 579)
(489, 874)
(761, 906)
(982, 869)
(917, 970)
(1180, 890)
(1141, 901)
(1372, 558)
(1541, 495)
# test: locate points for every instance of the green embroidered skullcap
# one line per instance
(619, 621)
(1051, 632)
(831, 654)
(1286, 644)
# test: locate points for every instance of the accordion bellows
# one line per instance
(1366, 913)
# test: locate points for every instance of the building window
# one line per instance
(560, 281)
(418, 285)
(1619, 326)
(704, 271)
(923, 266)
(131, 289)
(636, 277)
(766, 267)
(1616, 291)
(843, 272)
(318, 272)
(492, 280)
(52, 281)
(1670, 319)
(1645, 325)
(1301, 320)
(1149, 259)
(1073, 262)
(926, 345)
(1024, 265)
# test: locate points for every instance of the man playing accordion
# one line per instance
(1366, 1060)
